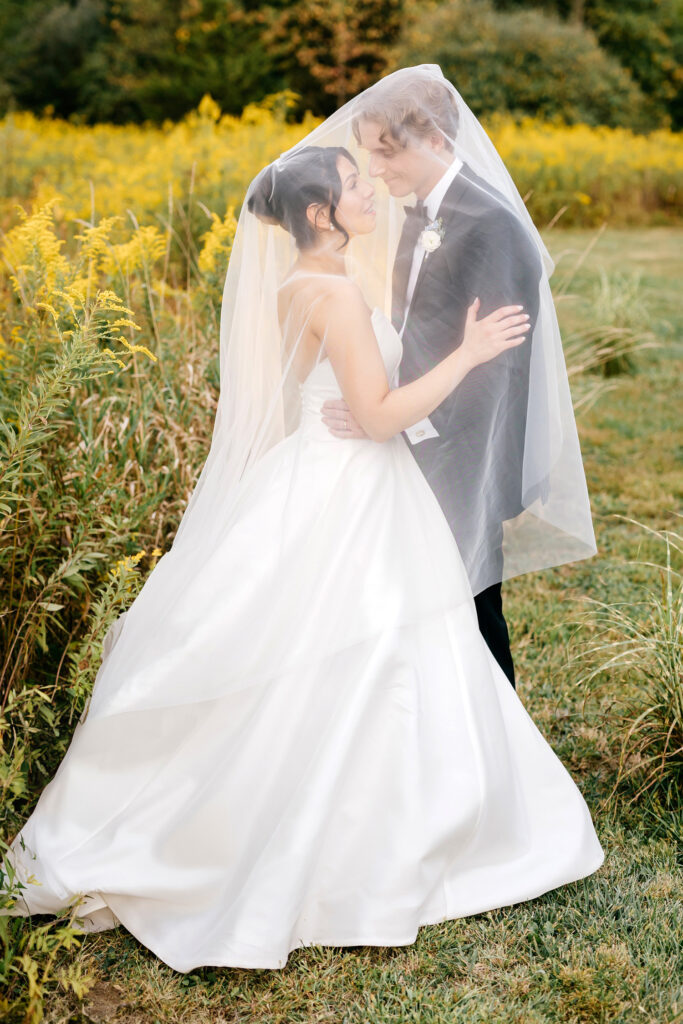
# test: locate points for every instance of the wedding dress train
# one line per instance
(335, 762)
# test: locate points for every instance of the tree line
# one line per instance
(121, 60)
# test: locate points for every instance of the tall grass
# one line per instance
(633, 663)
(620, 328)
(101, 439)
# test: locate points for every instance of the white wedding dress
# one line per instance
(336, 761)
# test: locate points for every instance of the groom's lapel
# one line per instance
(399, 278)
(447, 212)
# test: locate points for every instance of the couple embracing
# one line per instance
(303, 730)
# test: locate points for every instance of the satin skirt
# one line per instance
(298, 736)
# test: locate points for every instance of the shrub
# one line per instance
(645, 36)
(523, 62)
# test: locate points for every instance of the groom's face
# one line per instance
(404, 170)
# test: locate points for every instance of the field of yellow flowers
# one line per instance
(585, 175)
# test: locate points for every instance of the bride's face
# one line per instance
(355, 210)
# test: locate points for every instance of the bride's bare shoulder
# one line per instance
(322, 297)
(343, 290)
(344, 299)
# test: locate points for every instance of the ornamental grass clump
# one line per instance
(633, 663)
(620, 327)
(620, 304)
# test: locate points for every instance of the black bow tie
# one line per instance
(419, 211)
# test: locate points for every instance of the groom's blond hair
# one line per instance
(404, 108)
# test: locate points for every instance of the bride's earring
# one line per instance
(331, 227)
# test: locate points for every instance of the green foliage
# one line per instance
(116, 593)
(620, 327)
(30, 968)
(525, 62)
(621, 309)
(124, 61)
(646, 36)
(121, 60)
(161, 57)
(81, 424)
(635, 657)
(44, 49)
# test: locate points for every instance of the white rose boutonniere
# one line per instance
(433, 235)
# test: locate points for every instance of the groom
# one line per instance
(459, 241)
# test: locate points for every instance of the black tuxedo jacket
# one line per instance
(485, 252)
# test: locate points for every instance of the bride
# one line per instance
(298, 734)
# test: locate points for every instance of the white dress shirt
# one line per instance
(432, 204)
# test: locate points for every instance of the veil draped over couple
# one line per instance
(305, 729)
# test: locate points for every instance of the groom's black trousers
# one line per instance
(493, 627)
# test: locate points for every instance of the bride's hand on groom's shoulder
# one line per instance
(339, 421)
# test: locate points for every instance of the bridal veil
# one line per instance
(259, 402)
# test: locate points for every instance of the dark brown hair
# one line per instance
(284, 190)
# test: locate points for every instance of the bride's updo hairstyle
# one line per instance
(284, 190)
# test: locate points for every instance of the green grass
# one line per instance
(605, 949)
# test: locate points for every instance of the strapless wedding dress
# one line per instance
(336, 761)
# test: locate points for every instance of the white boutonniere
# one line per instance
(432, 236)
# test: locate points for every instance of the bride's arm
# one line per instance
(345, 326)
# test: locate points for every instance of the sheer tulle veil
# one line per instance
(259, 396)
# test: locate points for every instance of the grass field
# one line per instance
(606, 949)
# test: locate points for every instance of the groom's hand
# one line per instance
(339, 421)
